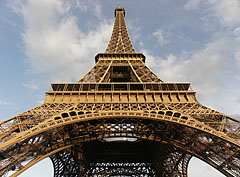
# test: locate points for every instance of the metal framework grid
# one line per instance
(120, 119)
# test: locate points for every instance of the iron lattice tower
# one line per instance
(120, 119)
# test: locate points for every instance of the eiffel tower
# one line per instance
(120, 119)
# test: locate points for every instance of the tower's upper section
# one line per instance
(120, 41)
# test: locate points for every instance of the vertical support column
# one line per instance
(65, 164)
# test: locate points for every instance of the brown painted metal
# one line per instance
(120, 119)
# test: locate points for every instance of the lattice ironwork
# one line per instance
(120, 119)
(65, 164)
(120, 41)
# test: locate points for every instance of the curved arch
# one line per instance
(65, 118)
(70, 118)
(38, 159)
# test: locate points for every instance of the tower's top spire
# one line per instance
(120, 41)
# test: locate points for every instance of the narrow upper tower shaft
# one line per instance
(120, 62)
(120, 41)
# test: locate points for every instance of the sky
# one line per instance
(45, 41)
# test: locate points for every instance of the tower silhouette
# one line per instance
(120, 119)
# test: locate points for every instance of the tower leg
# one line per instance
(65, 164)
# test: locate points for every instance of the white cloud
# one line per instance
(40, 102)
(237, 33)
(237, 38)
(226, 11)
(93, 5)
(207, 69)
(134, 30)
(161, 39)
(237, 99)
(5, 103)
(192, 4)
(55, 45)
(237, 57)
(31, 86)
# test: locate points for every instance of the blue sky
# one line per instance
(44, 41)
